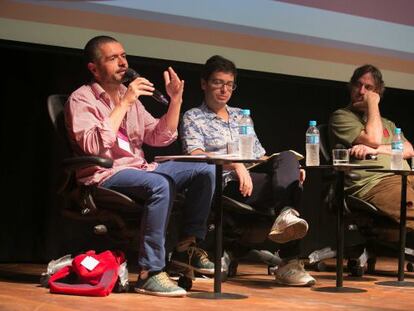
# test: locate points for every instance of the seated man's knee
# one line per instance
(286, 159)
(164, 186)
(288, 156)
(208, 172)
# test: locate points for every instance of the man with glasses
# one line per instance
(359, 126)
(210, 127)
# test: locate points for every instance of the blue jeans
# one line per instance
(158, 189)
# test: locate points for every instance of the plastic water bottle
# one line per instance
(246, 132)
(397, 147)
(312, 145)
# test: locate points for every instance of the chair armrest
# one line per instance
(358, 204)
(354, 176)
(71, 164)
(242, 208)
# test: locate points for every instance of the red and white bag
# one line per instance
(90, 274)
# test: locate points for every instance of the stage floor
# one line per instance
(20, 290)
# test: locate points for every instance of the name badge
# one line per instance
(123, 141)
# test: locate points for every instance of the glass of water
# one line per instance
(233, 148)
(340, 156)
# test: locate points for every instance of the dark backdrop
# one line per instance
(31, 228)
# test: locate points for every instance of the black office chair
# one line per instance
(361, 217)
(243, 222)
(112, 213)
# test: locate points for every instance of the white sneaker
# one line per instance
(288, 227)
(294, 274)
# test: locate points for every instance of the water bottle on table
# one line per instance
(312, 144)
(397, 147)
(246, 135)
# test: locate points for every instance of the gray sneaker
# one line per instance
(288, 227)
(294, 274)
(193, 258)
(159, 284)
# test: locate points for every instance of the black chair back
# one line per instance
(324, 146)
(55, 107)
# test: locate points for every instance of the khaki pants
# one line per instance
(386, 196)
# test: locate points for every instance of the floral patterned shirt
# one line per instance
(202, 129)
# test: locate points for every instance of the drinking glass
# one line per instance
(340, 156)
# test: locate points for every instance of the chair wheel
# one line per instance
(321, 266)
(371, 265)
(410, 267)
(44, 279)
(185, 282)
(271, 270)
(224, 276)
(354, 268)
(233, 268)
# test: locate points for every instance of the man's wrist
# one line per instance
(176, 100)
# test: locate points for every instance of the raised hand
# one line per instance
(370, 99)
(173, 85)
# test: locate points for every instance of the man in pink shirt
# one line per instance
(105, 118)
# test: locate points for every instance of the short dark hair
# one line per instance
(218, 63)
(91, 49)
(376, 74)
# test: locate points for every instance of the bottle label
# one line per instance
(312, 139)
(397, 145)
(246, 130)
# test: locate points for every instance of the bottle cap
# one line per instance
(246, 112)
(312, 123)
(397, 130)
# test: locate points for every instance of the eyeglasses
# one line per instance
(217, 83)
(368, 87)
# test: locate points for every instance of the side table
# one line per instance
(340, 170)
(218, 161)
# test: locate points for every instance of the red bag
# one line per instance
(90, 274)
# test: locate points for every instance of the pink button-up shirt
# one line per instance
(87, 121)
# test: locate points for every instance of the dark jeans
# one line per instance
(275, 186)
(158, 189)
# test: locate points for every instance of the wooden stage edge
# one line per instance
(20, 290)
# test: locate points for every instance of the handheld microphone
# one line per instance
(367, 157)
(131, 74)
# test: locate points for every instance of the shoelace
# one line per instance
(199, 252)
(164, 279)
(301, 266)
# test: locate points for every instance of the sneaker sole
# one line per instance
(187, 266)
(160, 294)
(302, 284)
(295, 231)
